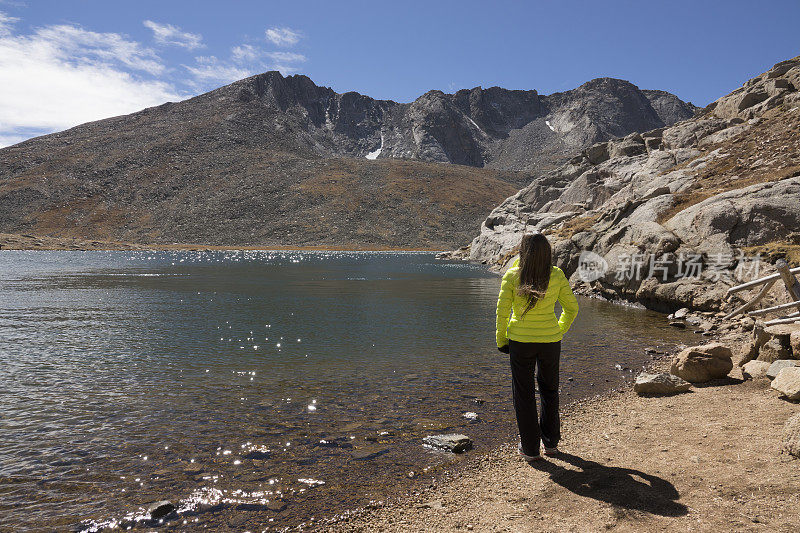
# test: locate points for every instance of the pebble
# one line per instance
(158, 510)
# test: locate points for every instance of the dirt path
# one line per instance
(708, 460)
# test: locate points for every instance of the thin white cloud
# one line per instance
(245, 60)
(61, 76)
(173, 35)
(58, 76)
(286, 57)
(211, 69)
(6, 23)
(283, 36)
(76, 45)
(245, 52)
(12, 138)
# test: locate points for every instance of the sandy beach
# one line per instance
(706, 460)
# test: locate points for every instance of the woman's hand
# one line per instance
(503, 349)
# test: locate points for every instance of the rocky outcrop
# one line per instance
(700, 364)
(494, 127)
(673, 213)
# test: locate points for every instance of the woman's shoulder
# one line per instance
(512, 272)
(556, 272)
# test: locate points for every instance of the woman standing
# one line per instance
(527, 330)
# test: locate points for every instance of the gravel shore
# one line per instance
(706, 460)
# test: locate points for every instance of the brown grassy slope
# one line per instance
(262, 199)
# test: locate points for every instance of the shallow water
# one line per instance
(259, 389)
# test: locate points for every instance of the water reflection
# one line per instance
(236, 383)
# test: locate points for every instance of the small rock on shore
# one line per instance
(755, 369)
(452, 442)
(698, 364)
(791, 435)
(787, 383)
(660, 384)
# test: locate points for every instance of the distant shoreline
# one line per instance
(13, 241)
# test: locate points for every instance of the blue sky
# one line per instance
(64, 62)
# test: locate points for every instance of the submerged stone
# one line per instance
(158, 510)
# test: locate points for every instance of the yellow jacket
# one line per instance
(539, 324)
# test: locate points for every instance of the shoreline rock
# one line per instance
(755, 369)
(775, 367)
(787, 383)
(451, 442)
(699, 364)
(660, 384)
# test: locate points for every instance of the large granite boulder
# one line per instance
(749, 216)
(773, 351)
(755, 369)
(776, 367)
(794, 344)
(699, 364)
(783, 334)
(659, 384)
(787, 383)
(791, 436)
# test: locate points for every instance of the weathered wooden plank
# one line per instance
(759, 281)
(772, 309)
(782, 321)
(792, 285)
(749, 305)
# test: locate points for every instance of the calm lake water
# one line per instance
(257, 389)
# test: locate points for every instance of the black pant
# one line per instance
(525, 357)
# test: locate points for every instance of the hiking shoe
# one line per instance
(551, 451)
(528, 458)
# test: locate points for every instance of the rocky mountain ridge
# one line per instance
(273, 160)
(494, 127)
(711, 192)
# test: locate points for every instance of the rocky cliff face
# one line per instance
(495, 127)
(710, 191)
(279, 160)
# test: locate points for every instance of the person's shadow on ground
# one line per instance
(622, 487)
